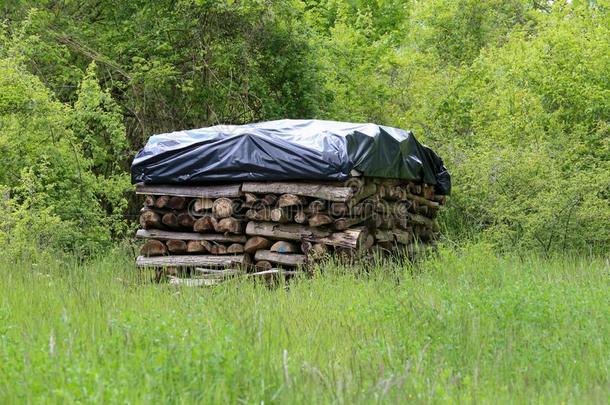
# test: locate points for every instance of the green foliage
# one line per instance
(465, 327)
(513, 94)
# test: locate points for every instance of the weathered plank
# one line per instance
(323, 191)
(275, 230)
(167, 235)
(289, 259)
(192, 261)
(214, 191)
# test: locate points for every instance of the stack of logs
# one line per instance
(267, 227)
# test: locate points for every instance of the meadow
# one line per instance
(466, 325)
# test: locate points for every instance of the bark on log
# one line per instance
(259, 215)
(318, 206)
(231, 190)
(149, 201)
(193, 261)
(153, 247)
(269, 200)
(167, 235)
(284, 231)
(320, 220)
(185, 220)
(280, 258)
(250, 199)
(176, 203)
(344, 223)
(256, 243)
(170, 220)
(325, 192)
(263, 265)
(218, 249)
(350, 238)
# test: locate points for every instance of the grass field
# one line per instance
(463, 327)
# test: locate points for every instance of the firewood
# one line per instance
(230, 190)
(263, 265)
(250, 199)
(350, 238)
(222, 207)
(193, 261)
(370, 241)
(323, 191)
(185, 220)
(176, 246)
(414, 188)
(339, 209)
(218, 249)
(289, 200)
(383, 236)
(341, 224)
(150, 219)
(317, 206)
(441, 199)
(202, 204)
(166, 235)
(300, 217)
(269, 200)
(229, 225)
(285, 247)
(170, 220)
(207, 245)
(176, 203)
(206, 223)
(367, 190)
(149, 201)
(319, 220)
(387, 222)
(402, 237)
(195, 246)
(428, 191)
(422, 200)
(263, 214)
(235, 248)
(162, 201)
(281, 215)
(256, 243)
(289, 259)
(153, 247)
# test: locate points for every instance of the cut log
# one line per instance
(150, 219)
(281, 215)
(229, 225)
(193, 261)
(422, 200)
(218, 249)
(231, 190)
(263, 265)
(256, 243)
(350, 238)
(167, 235)
(367, 190)
(284, 231)
(322, 191)
(162, 201)
(185, 220)
(259, 215)
(202, 204)
(402, 237)
(386, 221)
(441, 199)
(318, 206)
(280, 258)
(290, 200)
(339, 209)
(300, 217)
(176, 203)
(269, 200)
(149, 201)
(250, 199)
(320, 219)
(222, 208)
(384, 236)
(153, 247)
(285, 247)
(176, 246)
(170, 220)
(344, 223)
(195, 246)
(235, 248)
(205, 224)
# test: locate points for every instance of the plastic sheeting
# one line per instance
(287, 150)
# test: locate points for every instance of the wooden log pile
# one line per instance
(270, 227)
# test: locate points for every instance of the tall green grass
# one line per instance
(466, 326)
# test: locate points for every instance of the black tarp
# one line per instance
(287, 150)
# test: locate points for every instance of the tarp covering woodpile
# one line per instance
(274, 197)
